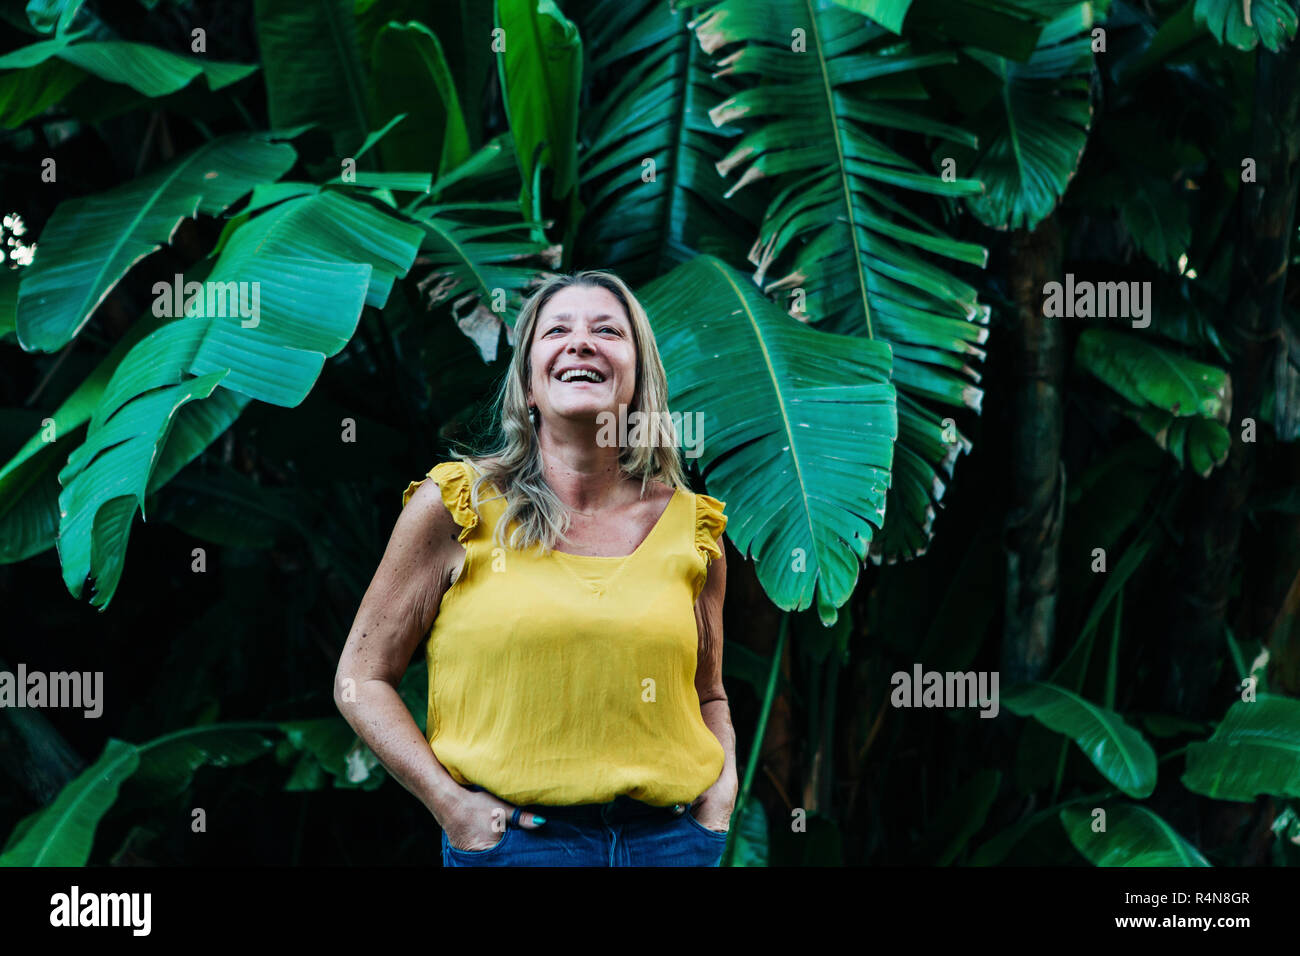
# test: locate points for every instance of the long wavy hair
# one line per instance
(514, 466)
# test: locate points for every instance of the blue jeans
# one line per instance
(624, 832)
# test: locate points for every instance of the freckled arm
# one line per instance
(714, 706)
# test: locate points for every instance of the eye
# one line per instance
(609, 328)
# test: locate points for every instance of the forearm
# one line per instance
(717, 717)
(380, 718)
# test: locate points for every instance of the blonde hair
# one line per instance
(514, 466)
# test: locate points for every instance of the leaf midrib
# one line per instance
(1102, 719)
(136, 751)
(770, 366)
(840, 166)
(342, 49)
(460, 249)
(126, 233)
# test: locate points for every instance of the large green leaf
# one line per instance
(95, 517)
(749, 836)
(63, 833)
(50, 16)
(482, 264)
(29, 483)
(29, 92)
(316, 260)
(798, 434)
(29, 505)
(1155, 213)
(195, 427)
(653, 197)
(491, 170)
(8, 302)
(313, 68)
(541, 77)
(1121, 753)
(1179, 38)
(1182, 404)
(1031, 136)
(859, 260)
(90, 243)
(1272, 22)
(1148, 375)
(890, 14)
(410, 75)
(328, 749)
(1254, 750)
(1199, 442)
(1134, 836)
(333, 746)
(1008, 29)
(167, 764)
(146, 69)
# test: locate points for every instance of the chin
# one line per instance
(581, 412)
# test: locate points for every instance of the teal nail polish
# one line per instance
(538, 820)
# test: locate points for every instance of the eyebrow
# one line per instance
(565, 316)
(598, 318)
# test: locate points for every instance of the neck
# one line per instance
(586, 477)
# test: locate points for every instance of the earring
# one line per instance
(532, 414)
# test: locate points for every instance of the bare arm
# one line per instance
(397, 611)
(714, 707)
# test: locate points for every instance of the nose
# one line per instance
(578, 342)
(579, 337)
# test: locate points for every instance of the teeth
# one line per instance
(582, 373)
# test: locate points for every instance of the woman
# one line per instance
(571, 588)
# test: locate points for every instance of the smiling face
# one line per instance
(582, 327)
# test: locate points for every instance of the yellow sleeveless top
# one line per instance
(567, 678)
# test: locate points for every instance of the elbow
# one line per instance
(712, 695)
(345, 692)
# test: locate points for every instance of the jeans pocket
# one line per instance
(690, 817)
(477, 853)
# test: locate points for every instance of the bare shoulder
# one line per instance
(428, 515)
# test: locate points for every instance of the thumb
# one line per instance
(525, 819)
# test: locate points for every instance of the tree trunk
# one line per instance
(1032, 535)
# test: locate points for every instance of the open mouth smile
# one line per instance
(581, 376)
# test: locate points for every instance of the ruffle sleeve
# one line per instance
(709, 525)
(454, 481)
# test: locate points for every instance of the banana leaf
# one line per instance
(798, 428)
(90, 243)
(1134, 836)
(1120, 752)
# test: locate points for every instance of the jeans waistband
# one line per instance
(621, 808)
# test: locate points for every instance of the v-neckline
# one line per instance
(644, 541)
